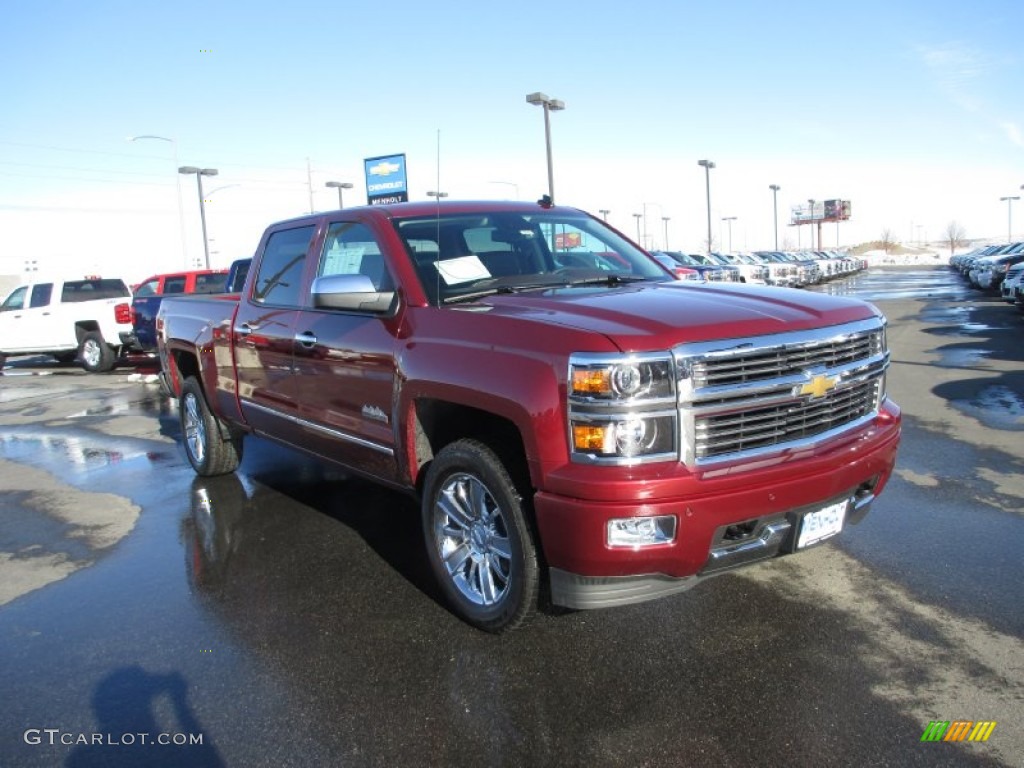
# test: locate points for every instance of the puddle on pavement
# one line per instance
(996, 407)
(79, 453)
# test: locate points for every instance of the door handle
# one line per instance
(306, 339)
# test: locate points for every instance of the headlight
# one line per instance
(622, 410)
(633, 379)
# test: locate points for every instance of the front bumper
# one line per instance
(750, 518)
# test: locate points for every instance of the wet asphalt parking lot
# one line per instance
(285, 615)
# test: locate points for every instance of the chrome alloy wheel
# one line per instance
(471, 536)
(91, 353)
(194, 427)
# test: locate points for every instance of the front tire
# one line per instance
(208, 453)
(478, 540)
(96, 354)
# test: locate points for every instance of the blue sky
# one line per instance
(911, 110)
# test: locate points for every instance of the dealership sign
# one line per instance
(386, 181)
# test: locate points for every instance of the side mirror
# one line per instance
(355, 293)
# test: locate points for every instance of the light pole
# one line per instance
(729, 220)
(810, 201)
(775, 210)
(666, 219)
(638, 216)
(177, 184)
(550, 105)
(707, 165)
(200, 172)
(339, 185)
(604, 213)
(1009, 215)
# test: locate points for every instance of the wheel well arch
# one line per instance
(186, 364)
(83, 327)
(436, 423)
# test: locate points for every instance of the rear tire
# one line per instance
(95, 353)
(478, 540)
(208, 452)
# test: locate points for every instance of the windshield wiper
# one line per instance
(502, 289)
(609, 279)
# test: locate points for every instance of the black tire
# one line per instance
(208, 452)
(95, 354)
(478, 541)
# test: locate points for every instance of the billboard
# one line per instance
(386, 181)
(822, 210)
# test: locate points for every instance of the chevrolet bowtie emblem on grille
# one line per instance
(818, 386)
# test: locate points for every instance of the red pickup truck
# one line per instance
(571, 418)
(148, 294)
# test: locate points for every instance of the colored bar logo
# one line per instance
(958, 730)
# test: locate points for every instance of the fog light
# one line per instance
(641, 531)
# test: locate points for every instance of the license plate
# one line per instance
(819, 525)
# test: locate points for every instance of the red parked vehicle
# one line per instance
(571, 418)
(149, 293)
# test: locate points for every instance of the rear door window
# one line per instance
(41, 295)
(279, 280)
(174, 284)
(211, 283)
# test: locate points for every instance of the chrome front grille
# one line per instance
(738, 366)
(745, 398)
(761, 428)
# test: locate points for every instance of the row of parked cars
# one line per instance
(794, 269)
(100, 321)
(995, 268)
(97, 321)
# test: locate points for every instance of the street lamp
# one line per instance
(810, 201)
(604, 213)
(438, 195)
(775, 210)
(177, 184)
(1009, 215)
(638, 216)
(730, 220)
(707, 165)
(339, 185)
(200, 172)
(550, 105)
(666, 219)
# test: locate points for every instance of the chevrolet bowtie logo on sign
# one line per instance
(819, 386)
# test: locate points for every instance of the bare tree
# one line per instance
(954, 236)
(887, 240)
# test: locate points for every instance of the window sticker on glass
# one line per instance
(342, 260)
(464, 269)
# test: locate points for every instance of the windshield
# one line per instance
(461, 256)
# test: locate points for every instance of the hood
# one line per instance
(654, 316)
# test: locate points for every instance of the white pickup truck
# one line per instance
(69, 319)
